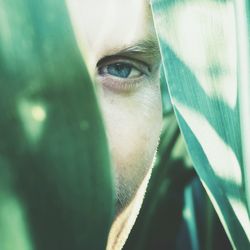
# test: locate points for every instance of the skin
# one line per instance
(118, 39)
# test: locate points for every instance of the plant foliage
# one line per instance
(198, 46)
(54, 158)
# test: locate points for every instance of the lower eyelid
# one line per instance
(122, 85)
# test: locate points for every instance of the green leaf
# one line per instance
(242, 8)
(198, 46)
(56, 183)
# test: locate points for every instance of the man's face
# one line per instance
(119, 42)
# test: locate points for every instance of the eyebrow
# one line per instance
(145, 48)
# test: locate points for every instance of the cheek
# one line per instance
(133, 125)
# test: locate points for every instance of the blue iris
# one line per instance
(119, 70)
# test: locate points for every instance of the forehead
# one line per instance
(109, 25)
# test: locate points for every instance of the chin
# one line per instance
(128, 204)
(125, 191)
(128, 182)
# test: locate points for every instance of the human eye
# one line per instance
(122, 74)
(120, 70)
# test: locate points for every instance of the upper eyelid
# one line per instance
(113, 59)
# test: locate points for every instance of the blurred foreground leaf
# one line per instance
(55, 180)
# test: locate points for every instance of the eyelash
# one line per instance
(117, 83)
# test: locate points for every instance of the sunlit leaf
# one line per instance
(243, 36)
(198, 46)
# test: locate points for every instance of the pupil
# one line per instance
(119, 70)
